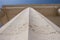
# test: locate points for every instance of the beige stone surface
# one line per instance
(30, 25)
(12, 11)
(41, 28)
(17, 28)
(47, 11)
(4, 19)
(55, 20)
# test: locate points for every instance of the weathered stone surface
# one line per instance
(29, 25)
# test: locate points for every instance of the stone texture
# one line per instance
(29, 25)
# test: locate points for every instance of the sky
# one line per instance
(15, 2)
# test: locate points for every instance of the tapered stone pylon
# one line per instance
(29, 25)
